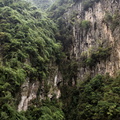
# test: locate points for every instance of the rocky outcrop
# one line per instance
(31, 90)
(91, 31)
(28, 93)
(54, 89)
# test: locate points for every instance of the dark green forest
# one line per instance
(30, 40)
(27, 46)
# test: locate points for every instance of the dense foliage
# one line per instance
(113, 21)
(45, 111)
(27, 45)
(43, 4)
(89, 3)
(97, 98)
(95, 57)
(59, 8)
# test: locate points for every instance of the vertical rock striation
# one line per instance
(92, 30)
(32, 90)
(95, 47)
(28, 93)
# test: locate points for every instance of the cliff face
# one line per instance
(89, 32)
(94, 48)
(93, 28)
(44, 70)
(40, 90)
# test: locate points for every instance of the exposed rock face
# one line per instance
(98, 34)
(86, 41)
(36, 89)
(28, 93)
(54, 89)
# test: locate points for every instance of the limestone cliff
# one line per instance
(40, 90)
(94, 25)
(93, 48)
(61, 64)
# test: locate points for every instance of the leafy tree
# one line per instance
(27, 46)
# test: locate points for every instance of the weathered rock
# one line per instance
(98, 34)
(28, 93)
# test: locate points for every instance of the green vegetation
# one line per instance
(89, 3)
(112, 20)
(97, 98)
(27, 46)
(64, 34)
(47, 111)
(28, 36)
(69, 69)
(85, 24)
(59, 8)
(42, 4)
(95, 57)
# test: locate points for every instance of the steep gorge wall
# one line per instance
(91, 32)
(41, 79)
(94, 32)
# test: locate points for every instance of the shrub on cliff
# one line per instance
(95, 57)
